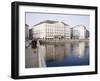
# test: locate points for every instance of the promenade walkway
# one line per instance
(34, 57)
(31, 57)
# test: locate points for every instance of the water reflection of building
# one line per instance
(64, 52)
(55, 52)
(68, 49)
(51, 29)
(58, 52)
(79, 49)
(50, 52)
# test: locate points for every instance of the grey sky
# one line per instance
(71, 19)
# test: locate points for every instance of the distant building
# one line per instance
(51, 29)
(87, 33)
(26, 32)
(30, 34)
(26, 35)
(79, 32)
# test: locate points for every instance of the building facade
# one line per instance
(30, 34)
(26, 32)
(79, 32)
(26, 35)
(51, 29)
(67, 32)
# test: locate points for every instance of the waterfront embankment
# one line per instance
(63, 41)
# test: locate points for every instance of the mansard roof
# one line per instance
(50, 22)
(79, 25)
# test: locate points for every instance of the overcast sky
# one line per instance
(71, 19)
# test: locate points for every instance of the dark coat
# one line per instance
(34, 44)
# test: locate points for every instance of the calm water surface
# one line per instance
(68, 54)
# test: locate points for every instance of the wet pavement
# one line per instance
(31, 57)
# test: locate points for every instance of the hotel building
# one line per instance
(51, 29)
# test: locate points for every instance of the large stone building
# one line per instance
(51, 29)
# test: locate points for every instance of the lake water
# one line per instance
(67, 54)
